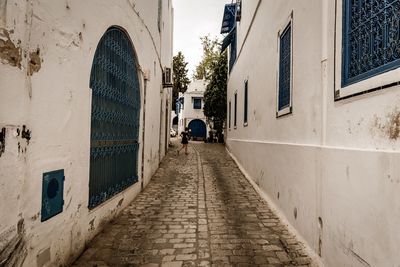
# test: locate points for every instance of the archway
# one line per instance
(175, 120)
(115, 117)
(198, 129)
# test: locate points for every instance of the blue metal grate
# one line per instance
(115, 117)
(285, 58)
(371, 38)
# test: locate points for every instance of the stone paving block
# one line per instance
(168, 258)
(183, 245)
(172, 264)
(198, 210)
(167, 251)
(185, 257)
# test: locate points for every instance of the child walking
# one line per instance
(184, 142)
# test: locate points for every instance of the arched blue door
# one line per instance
(115, 117)
(198, 129)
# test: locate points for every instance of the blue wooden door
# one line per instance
(198, 129)
(115, 117)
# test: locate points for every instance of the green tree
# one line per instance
(215, 94)
(211, 51)
(179, 78)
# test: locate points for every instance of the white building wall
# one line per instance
(54, 102)
(329, 161)
(195, 89)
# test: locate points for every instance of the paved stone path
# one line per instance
(198, 210)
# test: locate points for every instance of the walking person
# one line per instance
(184, 142)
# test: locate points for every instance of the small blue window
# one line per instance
(371, 38)
(235, 111)
(196, 103)
(285, 68)
(245, 102)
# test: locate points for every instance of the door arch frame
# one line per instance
(140, 113)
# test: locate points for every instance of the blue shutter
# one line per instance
(228, 20)
(235, 112)
(371, 38)
(233, 50)
(285, 65)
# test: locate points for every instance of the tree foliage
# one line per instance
(211, 51)
(214, 69)
(179, 77)
(215, 94)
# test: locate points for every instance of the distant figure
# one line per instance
(211, 136)
(185, 141)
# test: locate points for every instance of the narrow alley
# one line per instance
(198, 210)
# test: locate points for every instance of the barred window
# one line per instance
(371, 38)
(245, 110)
(235, 112)
(285, 70)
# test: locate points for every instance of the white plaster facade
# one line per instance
(188, 113)
(44, 85)
(331, 167)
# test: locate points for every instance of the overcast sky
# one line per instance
(193, 19)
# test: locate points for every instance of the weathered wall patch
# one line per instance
(10, 53)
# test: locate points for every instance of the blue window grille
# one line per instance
(246, 87)
(371, 38)
(196, 103)
(285, 68)
(235, 112)
(115, 117)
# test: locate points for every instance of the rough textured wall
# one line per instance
(46, 53)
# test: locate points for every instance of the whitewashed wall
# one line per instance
(54, 102)
(334, 164)
(195, 89)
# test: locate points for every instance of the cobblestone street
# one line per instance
(198, 210)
